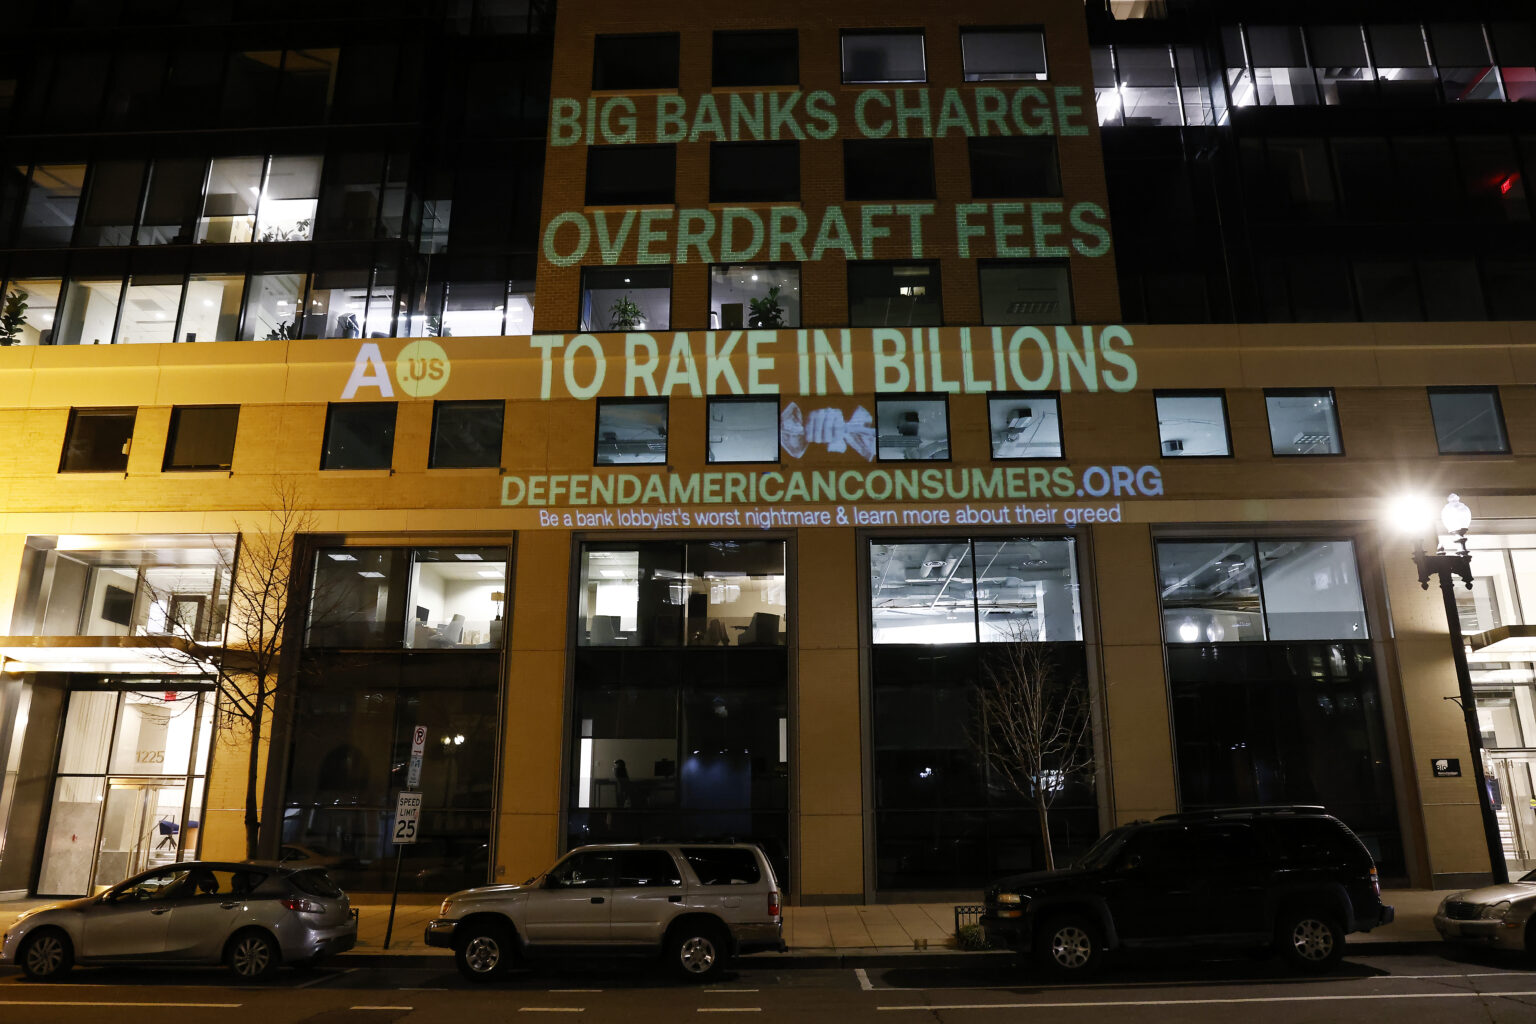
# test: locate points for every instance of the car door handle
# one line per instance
(229, 906)
(597, 899)
(160, 910)
(674, 899)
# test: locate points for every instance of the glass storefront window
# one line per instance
(1210, 591)
(421, 598)
(229, 200)
(743, 430)
(1027, 588)
(161, 591)
(87, 733)
(1311, 590)
(1025, 425)
(911, 428)
(923, 593)
(359, 598)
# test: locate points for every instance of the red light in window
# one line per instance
(1507, 184)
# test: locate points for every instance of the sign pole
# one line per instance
(394, 897)
(407, 813)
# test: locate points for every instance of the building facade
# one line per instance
(686, 408)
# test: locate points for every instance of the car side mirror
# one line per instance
(1131, 864)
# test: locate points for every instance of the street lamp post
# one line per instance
(1447, 565)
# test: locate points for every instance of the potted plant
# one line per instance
(435, 328)
(624, 314)
(282, 332)
(766, 312)
(13, 317)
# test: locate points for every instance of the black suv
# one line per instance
(1295, 879)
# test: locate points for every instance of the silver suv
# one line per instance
(698, 903)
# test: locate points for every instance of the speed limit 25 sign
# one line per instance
(407, 813)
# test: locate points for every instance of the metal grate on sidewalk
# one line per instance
(968, 913)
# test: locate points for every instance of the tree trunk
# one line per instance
(252, 804)
(1042, 813)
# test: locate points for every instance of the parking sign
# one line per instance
(407, 813)
(418, 748)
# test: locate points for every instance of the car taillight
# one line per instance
(303, 906)
(773, 904)
(1375, 882)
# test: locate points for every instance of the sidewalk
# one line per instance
(873, 930)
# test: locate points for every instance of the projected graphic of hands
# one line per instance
(827, 426)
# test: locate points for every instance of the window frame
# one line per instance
(1226, 418)
(1027, 396)
(714, 400)
(933, 264)
(600, 37)
(600, 154)
(69, 430)
(1492, 390)
(167, 466)
(325, 442)
(716, 148)
(746, 313)
(1338, 423)
(1013, 141)
(583, 288)
(916, 396)
(1045, 50)
(890, 145)
(714, 56)
(842, 60)
(597, 424)
(1005, 262)
(439, 405)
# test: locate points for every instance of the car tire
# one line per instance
(697, 951)
(1070, 946)
(485, 952)
(1310, 939)
(47, 955)
(252, 955)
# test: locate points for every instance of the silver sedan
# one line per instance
(251, 917)
(1501, 916)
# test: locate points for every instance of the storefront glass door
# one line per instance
(140, 828)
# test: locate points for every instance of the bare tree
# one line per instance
(1033, 726)
(244, 659)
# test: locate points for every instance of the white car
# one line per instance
(697, 903)
(1501, 916)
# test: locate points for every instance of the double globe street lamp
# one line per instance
(1446, 565)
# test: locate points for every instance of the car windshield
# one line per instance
(1102, 852)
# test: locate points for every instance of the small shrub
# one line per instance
(971, 936)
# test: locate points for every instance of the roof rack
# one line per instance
(1245, 812)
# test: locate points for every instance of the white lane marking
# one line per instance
(1210, 1002)
(180, 1006)
(730, 1009)
(575, 990)
(864, 984)
(712, 991)
(551, 1009)
(381, 1007)
(325, 977)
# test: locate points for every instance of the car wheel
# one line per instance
(252, 956)
(1310, 939)
(1070, 946)
(47, 955)
(697, 952)
(485, 953)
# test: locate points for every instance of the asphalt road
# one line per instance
(1426, 988)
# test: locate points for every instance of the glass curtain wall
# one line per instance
(942, 611)
(680, 718)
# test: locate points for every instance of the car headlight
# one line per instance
(1012, 898)
(447, 906)
(1496, 911)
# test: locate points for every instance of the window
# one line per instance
(229, 200)
(1468, 420)
(911, 428)
(756, 58)
(883, 57)
(288, 198)
(1192, 423)
(417, 598)
(1303, 422)
(90, 312)
(644, 868)
(202, 437)
(171, 204)
(1240, 590)
(1403, 71)
(630, 431)
(272, 312)
(466, 434)
(754, 172)
(1148, 85)
(211, 310)
(338, 304)
(887, 169)
(112, 204)
(359, 435)
(729, 866)
(631, 175)
(1343, 73)
(97, 440)
(635, 62)
(1461, 52)
(48, 220)
(1025, 425)
(1025, 292)
(952, 590)
(759, 295)
(893, 294)
(743, 430)
(993, 54)
(1016, 166)
(150, 308)
(626, 298)
(42, 298)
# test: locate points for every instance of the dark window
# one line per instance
(112, 204)
(884, 57)
(646, 868)
(887, 169)
(635, 61)
(909, 428)
(747, 430)
(1025, 291)
(990, 54)
(1452, 290)
(349, 200)
(359, 435)
(625, 175)
(626, 298)
(893, 294)
(466, 434)
(202, 437)
(96, 440)
(756, 58)
(48, 220)
(592, 869)
(1507, 287)
(1023, 166)
(754, 172)
(730, 866)
(174, 200)
(631, 431)
(1468, 420)
(1388, 290)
